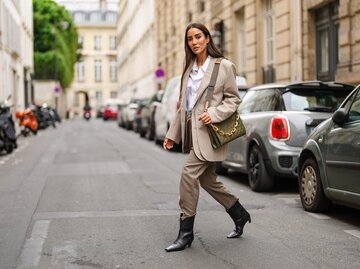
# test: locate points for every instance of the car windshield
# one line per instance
(313, 99)
(112, 107)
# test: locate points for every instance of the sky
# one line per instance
(87, 4)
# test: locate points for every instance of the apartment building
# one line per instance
(96, 75)
(16, 52)
(137, 51)
(268, 40)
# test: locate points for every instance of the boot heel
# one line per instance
(189, 245)
(249, 219)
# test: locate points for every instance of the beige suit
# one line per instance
(224, 102)
(199, 167)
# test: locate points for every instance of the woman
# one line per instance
(189, 126)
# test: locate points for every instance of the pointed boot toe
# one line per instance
(185, 236)
(240, 217)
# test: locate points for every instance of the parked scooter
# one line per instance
(87, 112)
(28, 122)
(7, 128)
(44, 116)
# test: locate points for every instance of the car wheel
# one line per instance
(310, 187)
(157, 140)
(259, 178)
(9, 148)
(220, 170)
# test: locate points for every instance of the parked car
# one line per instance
(120, 118)
(165, 111)
(147, 115)
(110, 112)
(111, 109)
(137, 127)
(278, 118)
(129, 112)
(330, 160)
(242, 85)
(100, 111)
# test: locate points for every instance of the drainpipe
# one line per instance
(295, 45)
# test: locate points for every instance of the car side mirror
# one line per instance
(339, 116)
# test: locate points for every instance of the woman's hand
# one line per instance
(168, 143)
(205, 118)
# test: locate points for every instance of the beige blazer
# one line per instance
(224, 103)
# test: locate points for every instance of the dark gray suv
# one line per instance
(278, 119)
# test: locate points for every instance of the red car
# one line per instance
(111, 112)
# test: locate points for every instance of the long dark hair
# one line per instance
(211, 49)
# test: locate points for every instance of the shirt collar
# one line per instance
(203, 67)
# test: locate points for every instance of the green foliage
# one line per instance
(55, 42)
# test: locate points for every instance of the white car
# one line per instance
(165, 112)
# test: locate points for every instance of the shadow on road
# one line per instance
(282, 185)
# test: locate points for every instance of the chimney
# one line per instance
(103, 4)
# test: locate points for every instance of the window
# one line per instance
(113, 94)
(327, 41)
(269, 32)
(81, 41)
(97, 42)
(110, 17)
(98, 70)
(98, 96)
(112, 43)
(80, 71)
(241, 44)
(95, 17)
(354, 112)
(259, 100)
(202, 6)
(79, 17)
(113, 70)
(319, 100)
(269, 46)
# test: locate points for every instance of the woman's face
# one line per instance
(197, 41)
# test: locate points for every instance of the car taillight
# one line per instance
(279, 128)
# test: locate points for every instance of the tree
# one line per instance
(55, 42)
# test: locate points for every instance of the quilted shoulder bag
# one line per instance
(231, 128)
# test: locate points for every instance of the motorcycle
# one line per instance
(44, 116)
(87, 113)
(7, 128)
(28, 122)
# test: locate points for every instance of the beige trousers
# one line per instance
(197, 172)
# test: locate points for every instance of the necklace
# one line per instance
(197, 68)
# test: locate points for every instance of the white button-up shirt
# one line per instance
(194, 82)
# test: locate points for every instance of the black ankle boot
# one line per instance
(185, 236)
(240, 216)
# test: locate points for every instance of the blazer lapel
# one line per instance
(206, 79)
(183, 90)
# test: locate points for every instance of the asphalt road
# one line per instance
(93, 195)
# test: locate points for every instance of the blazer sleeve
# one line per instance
(174, 132)
(231, 99)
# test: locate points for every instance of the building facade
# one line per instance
(137, 51)
(16, 52)
(96, 75)
(268, 40)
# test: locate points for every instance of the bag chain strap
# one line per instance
(222, 133)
